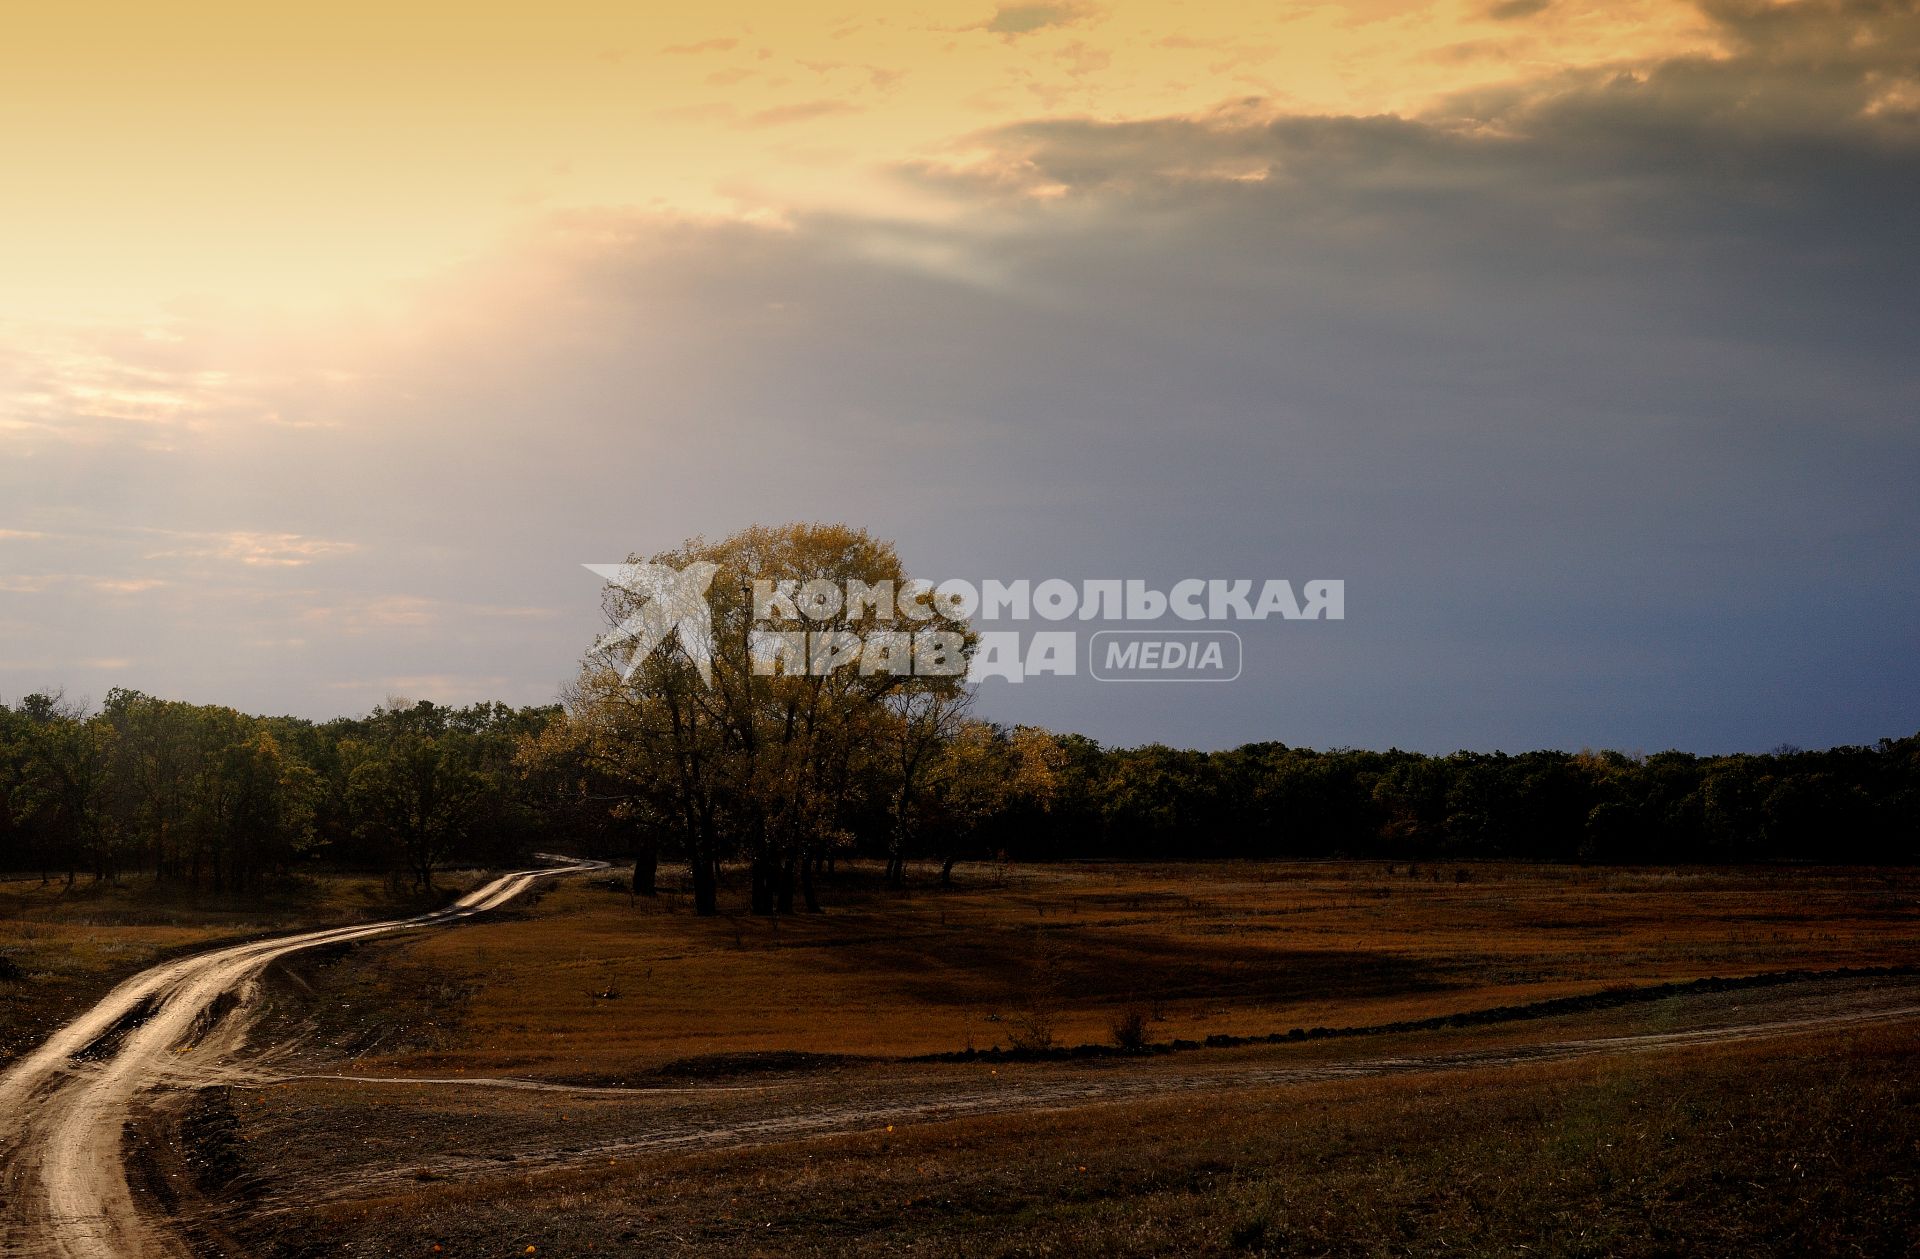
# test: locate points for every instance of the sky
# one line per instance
(1577, 339)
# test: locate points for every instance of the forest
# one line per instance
(209, 798)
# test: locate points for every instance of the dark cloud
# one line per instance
(1024, 19)
(1512, 10)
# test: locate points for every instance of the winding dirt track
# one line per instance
(64, 1107)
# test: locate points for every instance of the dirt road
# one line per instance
(64, 1107)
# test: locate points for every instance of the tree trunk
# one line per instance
(762, 874)
(783, 887)
(706, 886)
(809, 897)
(646, 869)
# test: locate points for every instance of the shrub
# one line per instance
(1038, 1001)
(1129, 1028)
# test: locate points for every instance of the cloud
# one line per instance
(97, 386)
(705, 45)
(1014, 20)
(376, 614)
(260, 550)
(802, 111)
(125, 585)
(1510, 10)
(1080, 59)
(35, 583)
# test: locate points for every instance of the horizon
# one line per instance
(394, 703)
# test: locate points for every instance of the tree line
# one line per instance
(1843, 805)
(704, 759)
(213, 799)
(217, 800)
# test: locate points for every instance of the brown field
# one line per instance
(586, 983)
(69, 945)
(1733, 1150)
(587, 1073)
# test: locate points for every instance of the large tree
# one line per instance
(732, 748)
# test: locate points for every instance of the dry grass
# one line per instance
(1723, 1150)
(587, 983)
(65, 947)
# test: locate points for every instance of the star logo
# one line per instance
(673, 602)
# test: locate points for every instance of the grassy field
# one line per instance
(586, 983)
(61, 947)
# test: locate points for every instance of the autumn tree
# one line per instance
(733, 746)
(985, 772)
(911, 762)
